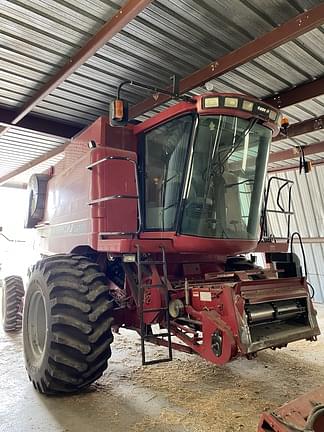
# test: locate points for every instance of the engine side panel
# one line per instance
(67, 220)
(72, 218)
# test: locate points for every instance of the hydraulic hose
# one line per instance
(296, 234)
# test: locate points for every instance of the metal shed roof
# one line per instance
(179, 36)
(22, 146)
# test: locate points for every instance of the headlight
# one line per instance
(231, 102)
(211, 102)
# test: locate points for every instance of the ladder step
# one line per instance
(157, 335)
(161, 337)
(151, 362)
(152, 262)
(188, 320)
(155, 309)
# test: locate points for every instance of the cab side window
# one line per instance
(165, 154)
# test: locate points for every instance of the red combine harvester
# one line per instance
(146, 224)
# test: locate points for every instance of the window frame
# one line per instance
(188, 169)
(142, 165)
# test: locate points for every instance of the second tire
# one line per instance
(12, 303)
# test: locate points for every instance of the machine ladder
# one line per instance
(146, 331)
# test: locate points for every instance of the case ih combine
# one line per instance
(146, 224)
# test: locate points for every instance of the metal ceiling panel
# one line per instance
(19, 146)
(38, 37)
(177, 36)
(25, 176)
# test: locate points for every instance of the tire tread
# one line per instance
(14, 293)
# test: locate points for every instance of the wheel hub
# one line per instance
(37, 324)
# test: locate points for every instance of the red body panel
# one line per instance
(68, 221)
(71, 220)
(174, 243)
(74, 186)
(116, 214)
(294, 415)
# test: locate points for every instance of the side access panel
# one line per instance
(77, 208)
(113, 194)
(67, 218)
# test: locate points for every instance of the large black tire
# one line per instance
(12, 303)
(67, 324)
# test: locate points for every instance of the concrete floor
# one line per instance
(187, 395)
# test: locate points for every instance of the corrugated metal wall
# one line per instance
(308, 220)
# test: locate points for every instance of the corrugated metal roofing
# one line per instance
(302, 140)
(159, 53)
(179, 36)
(306, 110)
(38, 37)
(19, 146)
(24, 177)
(167, 37)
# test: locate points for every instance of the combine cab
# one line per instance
(148, 224)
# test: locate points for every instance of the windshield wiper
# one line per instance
(239, 183)
(239, 139)
(217, 167)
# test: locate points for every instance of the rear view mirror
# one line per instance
(118, 110)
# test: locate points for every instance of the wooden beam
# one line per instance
(15, 185)
(293, 167)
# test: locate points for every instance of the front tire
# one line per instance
(67, 324)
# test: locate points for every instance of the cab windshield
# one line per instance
(225, 179)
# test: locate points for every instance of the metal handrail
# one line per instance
(100, 161)
(114, 233)
(112, 197)
(288, 212)
(119, 196)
